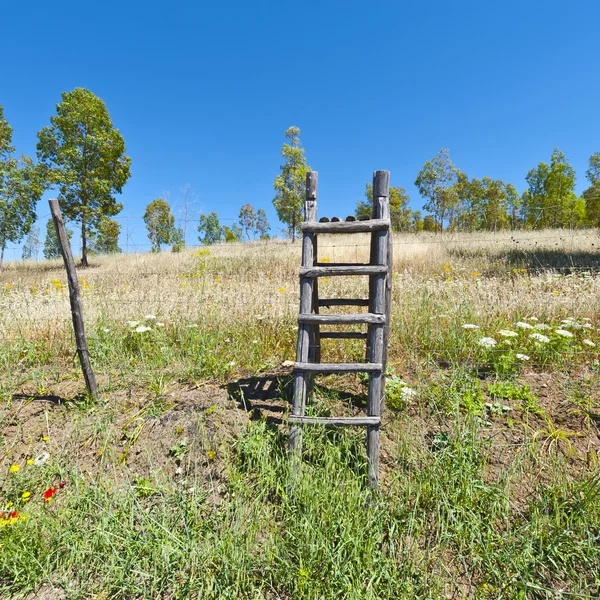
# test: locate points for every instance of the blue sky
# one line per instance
(202, 92)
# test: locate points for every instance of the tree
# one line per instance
(31, 247)
(210, 229)
(21, 186)
(229, 234)
(51, 243)
(178, 240)
(550, 200)
(160, 223)
(105, 240)
(400, 215)
(290, 184)
(514, 206)
(247, 219)
(435, 183)
(83, 154)
(591, 195)
(262, 226)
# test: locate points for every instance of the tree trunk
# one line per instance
(84, 260)
(2, 254)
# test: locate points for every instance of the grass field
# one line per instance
(176, 484)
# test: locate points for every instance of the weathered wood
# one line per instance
(305, 318)
(339, 264)
(344, 302)
(306, 306)
(377, 305)
(344, 335)
(335, 421)
(75, 300)
(339, 271)
(346, 226)
(338, 368)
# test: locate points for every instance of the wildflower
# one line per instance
(564, 333)
(232, 363)
(259, 317)
(522, 356)
(538, 337)
(30, 461)
(133, 324)
(41, 459)
(587, 326)
(45, 438)
(487, 342)
(211, 454)
(475, 273)
(522, 325)
(192, 326)
(105, 330)
(49, 493)
(255, 341)
(542, 326)
(508, 333)
(160, 324)
(282, 289)
(533, 319)
(142, 329)
(150, 317)
(227, 341)
(407, 393)
(589, 343)
(62, 484)
(470, 326)
(15, 468)
(25, 497)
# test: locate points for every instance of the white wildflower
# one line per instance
(564, 333)
(259, 317)
(255, 341)
(232, 363)
(143, 329)
(533, 319)
(407, 393)
(487, 342)
(470, 326)
(192, 326)
(589, 343)
(160, 324)
(542, 326)
(106, 330)
(587, 326)
(522, 325)
(150, 317)
(227, 341)
(133, 323)
(522, 356)
(41, 459)
(508, 333)
(539, 338)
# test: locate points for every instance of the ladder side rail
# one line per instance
(306, 306)
(377, 305)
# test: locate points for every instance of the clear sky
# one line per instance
(203, 91)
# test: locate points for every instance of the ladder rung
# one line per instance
(344, 302)
(339, 367)
(346, 226)
(335, 421)
(371, 318)
(342, 270)
(337, 264)
(343, 335)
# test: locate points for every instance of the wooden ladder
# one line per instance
(308, 350)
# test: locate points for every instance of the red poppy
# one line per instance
(49, 493)
(13, 514)
(62, 484)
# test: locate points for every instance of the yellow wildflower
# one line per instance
(25, 496)
(15, 468)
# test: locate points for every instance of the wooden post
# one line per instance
(75, 299)
(377, 337)
(305, 336)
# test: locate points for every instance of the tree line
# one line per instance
(82, 156)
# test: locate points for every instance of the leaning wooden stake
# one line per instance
(75, 299)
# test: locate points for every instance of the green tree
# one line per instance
(31, 247)
(210, 229)
(160, 223)
(51, 243)
(514, 206)
(105, 240)
(591, 195)
(178, 239)
(21, 186)
(83, 155)
(262, 226)
(290, 184)
(247, 219)
(435, 182)
(229, 234)
(400, 215)
(550, 200)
